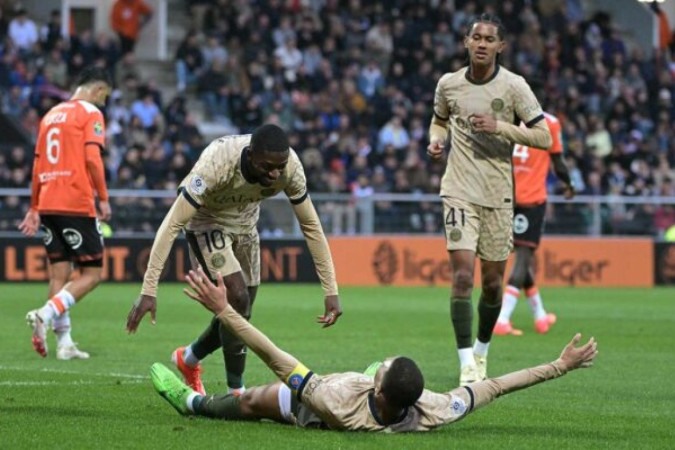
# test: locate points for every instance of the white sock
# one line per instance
(480, 348)
(240, 390)
(62, 329)
(509, 302)
(466, 357)
(189, 358)
(56, 306)
(190, 399)
(536, 305)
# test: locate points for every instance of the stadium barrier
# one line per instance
(126, 259)
(382, 260)
(423, 261)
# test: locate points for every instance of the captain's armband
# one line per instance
(297, 378)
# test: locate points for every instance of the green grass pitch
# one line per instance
(626, 401)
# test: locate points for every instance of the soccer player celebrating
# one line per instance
(218, 208)
(480, 104)
(393, 400)
(67, 176)
(531, 166)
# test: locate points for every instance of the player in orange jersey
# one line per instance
(67, 175)
(531, 167)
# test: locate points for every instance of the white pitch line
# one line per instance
(60, 383)
(74, 372)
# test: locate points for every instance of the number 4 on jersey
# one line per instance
(522, 152)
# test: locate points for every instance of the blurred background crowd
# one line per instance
(353, 83)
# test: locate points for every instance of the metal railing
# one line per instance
(139, 213)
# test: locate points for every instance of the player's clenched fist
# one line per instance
(435, 150)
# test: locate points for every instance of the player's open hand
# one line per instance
(30, 223)
(141, 306)
(435, 150)
(332, 311)
(573, 357)
(212, 296)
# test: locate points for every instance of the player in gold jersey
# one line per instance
(218, 208)
(479, 106)
(393, 400)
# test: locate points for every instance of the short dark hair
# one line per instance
(92, 75)
(492, 19)
(403, 383)
(269, 138)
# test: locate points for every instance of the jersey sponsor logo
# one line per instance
(520, 224)
(197, 185)
(497, 105)
(73, 238)
(98, 128)
(218, 260)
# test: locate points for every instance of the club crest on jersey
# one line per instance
(455, 234)
(497, 105)
(98, 128)
(197, 185)
(218, 260)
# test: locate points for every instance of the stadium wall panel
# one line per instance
(126, 260)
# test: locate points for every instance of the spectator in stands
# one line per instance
(127, 18)
(189, 61)
(23, 32)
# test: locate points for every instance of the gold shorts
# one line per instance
(227, 253)
(486, 231)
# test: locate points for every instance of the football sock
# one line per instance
(191, 399)
(536, 305)
(189, 357)
(208, 342)
(461, 313)
(234, 353)
(481, 348)
(509, 302)
(61, 325)
(56, 306)
(220, 406)
(466, 357)
(487, 318)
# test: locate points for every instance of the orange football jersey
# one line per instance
(531, 166)
(61, 181)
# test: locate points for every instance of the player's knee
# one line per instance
(240, 301)
(492, 288)
(92, 276)
(462, 280)
(252, 403)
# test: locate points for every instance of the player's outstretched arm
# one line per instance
(180, 213)
(310, 225)
(571, 358)
(212, 297)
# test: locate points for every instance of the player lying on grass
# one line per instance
(393, 400)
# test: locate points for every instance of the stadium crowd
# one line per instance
(352, 81)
